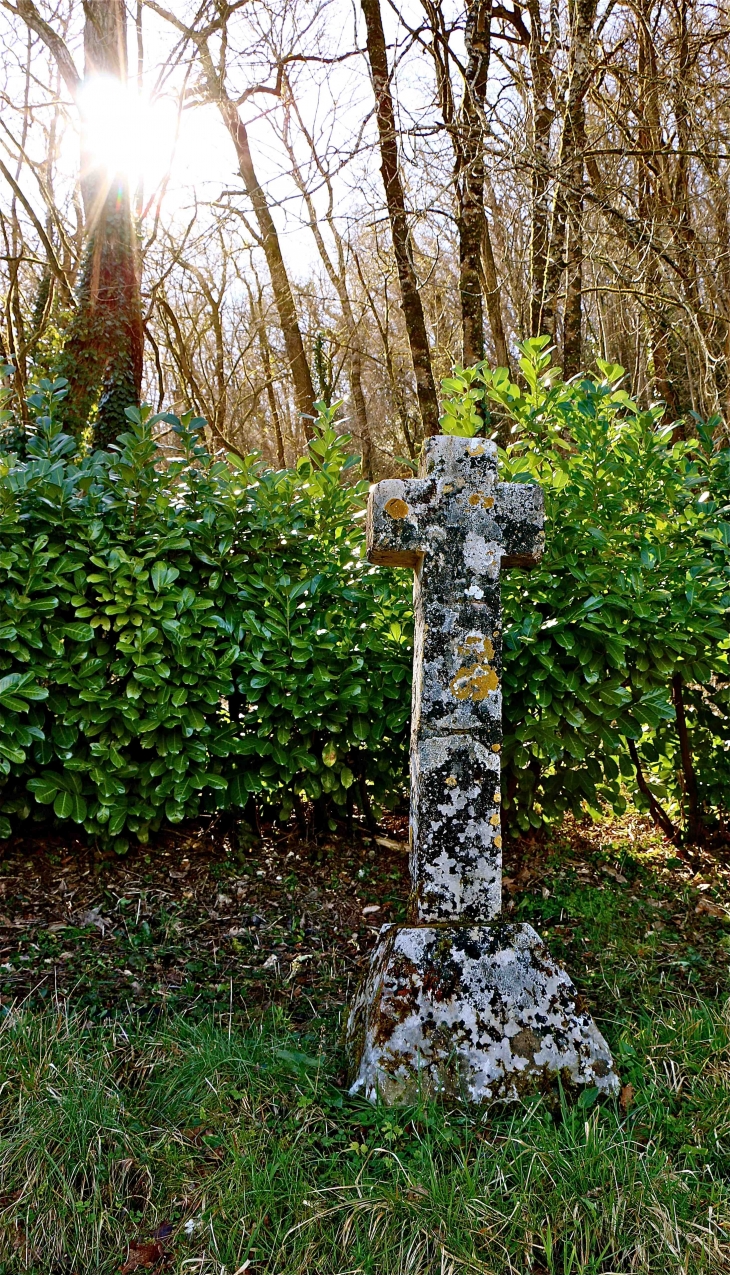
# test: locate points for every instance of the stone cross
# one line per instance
(460, 1002)
(458, 527)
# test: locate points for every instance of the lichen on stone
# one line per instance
(479, 1013)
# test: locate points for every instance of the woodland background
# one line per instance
(297, 201)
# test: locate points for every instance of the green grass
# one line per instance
(226, 1123)
(107, 1133)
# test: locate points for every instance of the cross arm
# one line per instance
(395, 521)
(519, 511)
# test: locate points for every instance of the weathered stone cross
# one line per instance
(453, 1003)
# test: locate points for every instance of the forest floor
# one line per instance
(172, 1089)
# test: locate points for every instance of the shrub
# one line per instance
(176, 634)
(616, 647)
(179, 633)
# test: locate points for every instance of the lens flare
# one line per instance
(125, 134)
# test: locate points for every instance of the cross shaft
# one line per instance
(456, 525)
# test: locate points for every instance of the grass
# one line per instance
(240, 1143)
(231, 1139)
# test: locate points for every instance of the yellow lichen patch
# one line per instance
(477, 646)
(497, 797)
(474, 683)
(476, 680)
(480, 498)
(495, 819)
(496, 748)
(498, 842)
(476, 449)
(396, 508)
(451, 781)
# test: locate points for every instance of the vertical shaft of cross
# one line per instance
(455, 525)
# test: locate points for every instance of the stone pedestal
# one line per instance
(475, 1013)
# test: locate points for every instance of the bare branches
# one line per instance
(26, 10)
(550, 166)
(53, 261)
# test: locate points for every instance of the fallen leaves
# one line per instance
(710, 908)
(616, 876)
(142, 1256)
(92, 916)
(626, 1097)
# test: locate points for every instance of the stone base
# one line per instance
(475, 1013)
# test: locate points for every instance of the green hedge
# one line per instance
(177, 633)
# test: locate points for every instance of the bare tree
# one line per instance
(395, 199)
(215, 83)
(335, 266)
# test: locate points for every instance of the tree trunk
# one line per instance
(102, 356)
(650, 172)
(395, 199)
(542, 114)
(104, 348)
(103, 352)
(283, 298)
(468, 144)
(658, 813)
(269, 236)
(476, 257)
(493, 298)
(572, 176)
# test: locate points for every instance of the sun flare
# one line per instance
(127, 134)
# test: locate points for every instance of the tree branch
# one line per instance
(658, 814)
(52, 258)
(26, 10)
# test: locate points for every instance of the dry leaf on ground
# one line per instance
(142, 1256)
(711, 908)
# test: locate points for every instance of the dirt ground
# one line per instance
(208, 918)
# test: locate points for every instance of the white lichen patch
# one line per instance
(482, 556)
(438, 750)
(456, 861)
(458, 893)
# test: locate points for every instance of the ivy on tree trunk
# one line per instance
(102, 354)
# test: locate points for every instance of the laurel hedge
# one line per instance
(616, 679)
(181, 634)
